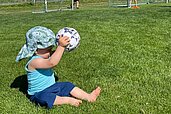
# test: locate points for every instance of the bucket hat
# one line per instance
(36, 38)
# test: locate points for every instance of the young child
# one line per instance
(42, 88)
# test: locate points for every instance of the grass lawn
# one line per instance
(124, 51)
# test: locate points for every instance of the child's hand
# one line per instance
(63, 41)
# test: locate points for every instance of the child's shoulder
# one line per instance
(33, 58)
(30, 61)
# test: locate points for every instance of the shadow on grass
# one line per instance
(21, 83)
(120, 6)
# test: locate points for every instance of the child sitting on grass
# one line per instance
(42, 88)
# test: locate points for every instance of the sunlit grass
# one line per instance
(126, 52)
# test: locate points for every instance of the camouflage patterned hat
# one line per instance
(36, 38)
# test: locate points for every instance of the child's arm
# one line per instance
(55, 57)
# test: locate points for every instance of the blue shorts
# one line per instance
(48, 96)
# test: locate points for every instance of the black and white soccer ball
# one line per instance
(72, 34)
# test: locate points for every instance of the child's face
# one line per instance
(44, 52)
(49, 49)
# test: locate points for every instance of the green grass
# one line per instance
(126, 52)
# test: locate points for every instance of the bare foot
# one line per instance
(74, 102)
(94, 94)
(67, 100)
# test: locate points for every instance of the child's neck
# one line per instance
(44, 53)
(45, 56)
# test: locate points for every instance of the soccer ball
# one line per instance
(72, 34)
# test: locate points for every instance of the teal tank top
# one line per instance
(39, 79)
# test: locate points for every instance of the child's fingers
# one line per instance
(64, 41)
(63, 37)
(67, 39)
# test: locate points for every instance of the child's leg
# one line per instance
(79, 93)
(135, 2)
(67, 100)
(77, 4)
(130, 2)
